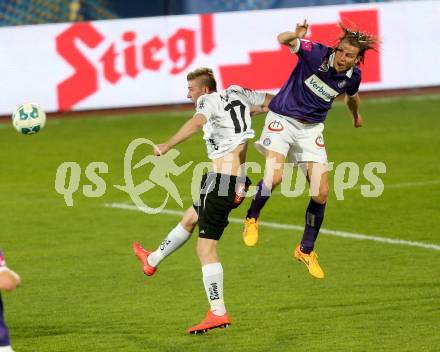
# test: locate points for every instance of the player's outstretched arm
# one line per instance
(289, 38)
(353, 103)
(9, 280)
(190, 127)
(255, 110)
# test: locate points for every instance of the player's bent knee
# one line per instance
(274, 181)
(189, 224)
(322, 197)
(189, 219)
(277, 179)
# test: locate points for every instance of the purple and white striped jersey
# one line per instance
(313, 85)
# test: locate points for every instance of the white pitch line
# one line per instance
(412, 184)
(395, 99)
(386, 186)
(403, 184)
(274, 225)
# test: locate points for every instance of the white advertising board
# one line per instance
(144, 61)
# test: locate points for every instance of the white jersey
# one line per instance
(228, 118)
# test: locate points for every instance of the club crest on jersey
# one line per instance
(275, 126)
(266, 141)
(319, 141)
(324, 66)
(342, 84)
(201, 104)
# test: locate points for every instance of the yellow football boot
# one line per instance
(250, 232)
(311, 262)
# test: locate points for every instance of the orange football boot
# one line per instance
(211, 321)
(142, 254)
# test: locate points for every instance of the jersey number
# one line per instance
(231, 108)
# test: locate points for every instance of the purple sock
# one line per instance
(4, 336)
(314, 218)
(260, 198)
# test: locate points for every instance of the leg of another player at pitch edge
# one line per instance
(212, 271)
(175, 238)
(273, 175)
(317, 175)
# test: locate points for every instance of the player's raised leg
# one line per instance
(272, 178)
(317, 175)
(174, 240)
(212, 272)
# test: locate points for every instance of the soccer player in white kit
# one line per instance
(295, 123)
(226, 121)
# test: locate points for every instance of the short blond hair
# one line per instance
(206, 77)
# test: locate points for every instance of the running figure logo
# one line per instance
(163, 167)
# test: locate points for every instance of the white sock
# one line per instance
(177, 237)
(213, 281)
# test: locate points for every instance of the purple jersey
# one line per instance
(313, 85)
(4, 336)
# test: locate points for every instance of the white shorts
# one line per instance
(298, 141)
(6, 349)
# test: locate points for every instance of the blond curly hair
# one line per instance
(358, 39)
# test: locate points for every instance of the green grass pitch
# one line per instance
(83, 289)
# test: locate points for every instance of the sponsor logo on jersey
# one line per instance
(275, 126)
(320, 88)
(201, 104)
(213, 144)
(319, 141)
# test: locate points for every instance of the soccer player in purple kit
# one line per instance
(9, 281)
(294, 126)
